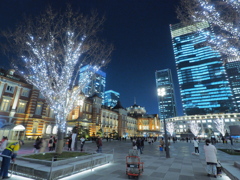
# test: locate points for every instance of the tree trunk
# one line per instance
(60, 141)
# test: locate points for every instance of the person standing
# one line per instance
(54, 143)
(8, 154)
(138, 143)
(82, 143)
(50, 144)
(195, 143)
(69, 143)
(99, 145)
(211, 158)
(161, 143)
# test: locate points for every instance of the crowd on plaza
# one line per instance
(43, 144)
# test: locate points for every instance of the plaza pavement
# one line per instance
(182, 165)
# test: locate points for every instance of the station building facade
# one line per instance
(24, 113)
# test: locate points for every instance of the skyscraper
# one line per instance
(97, 83)
(166, 104)
(233, 71)
(204, 86)
(111, 98)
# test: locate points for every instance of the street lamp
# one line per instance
(162, 93)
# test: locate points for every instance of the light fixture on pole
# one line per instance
(162, 93)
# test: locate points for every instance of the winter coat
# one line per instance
(195, 143)
(50, 142)
(210, 153)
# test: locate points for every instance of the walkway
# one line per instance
(181, 166)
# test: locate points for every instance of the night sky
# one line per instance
(139, 31)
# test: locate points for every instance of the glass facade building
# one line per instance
(232, 67)
(166, 104)
(97, 83)
(203, 81)
(111, 98)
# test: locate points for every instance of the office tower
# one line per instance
(232, 67)
(166, 104)
(111, 98)
(204, 86)
(97, 83)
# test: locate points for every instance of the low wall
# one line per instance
(40, 170)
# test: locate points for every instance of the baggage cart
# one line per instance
(134, 166)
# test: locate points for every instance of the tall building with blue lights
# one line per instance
(204, 85)
(232, 66)
(166, 104)
(97, 83)
(111, 98)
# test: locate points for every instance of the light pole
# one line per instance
(162, 93)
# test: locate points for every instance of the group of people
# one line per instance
(139, 144)
(41, 144)
(69, 143)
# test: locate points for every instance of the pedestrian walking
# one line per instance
(149, 140)
(8, 154)
(50, 144)
(211, 158)
(82, 143)
(138, 143)
(37, 145)
(99, 145)
(195, 143)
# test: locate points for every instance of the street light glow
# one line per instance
(161, 92)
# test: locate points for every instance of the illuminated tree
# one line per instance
(194, 128)
(222, 15)
(170, 127)
(220, 125)
(48, 51)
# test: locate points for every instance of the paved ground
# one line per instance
(182, 165)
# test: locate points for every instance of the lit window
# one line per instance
(25, 92)
(49, 129)
(51, 114)
(209, 126)
(35, 127)
(10, 89)
(39, 109)
(5, 106)
(21, 107)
